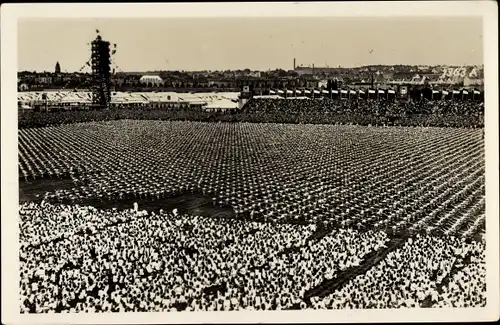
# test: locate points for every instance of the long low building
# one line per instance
(208, 101)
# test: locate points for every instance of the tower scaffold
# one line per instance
(101, 74)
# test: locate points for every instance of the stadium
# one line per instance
(316, 198)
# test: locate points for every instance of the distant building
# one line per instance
(361, 85)
(255, 74)
(432, 77)
(151, 80)
(314, 70)
(58, 67)
(44, 80)
(473, 82)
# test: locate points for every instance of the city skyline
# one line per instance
(197, 44)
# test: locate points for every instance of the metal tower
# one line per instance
(101, 60)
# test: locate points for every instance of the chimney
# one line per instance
(294, 64)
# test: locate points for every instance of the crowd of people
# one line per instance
(371, 107)
(128, 260)
(370, 112)
(311, 203)
(426, 271)
(165, 261)
(33, 119)
(313, 111)
(285, 172)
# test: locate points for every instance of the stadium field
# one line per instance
(366, 175)
(331, 213)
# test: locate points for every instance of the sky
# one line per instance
(254, 43)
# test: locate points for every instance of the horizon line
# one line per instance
(275, 69)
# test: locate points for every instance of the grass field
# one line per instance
(427, 178)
